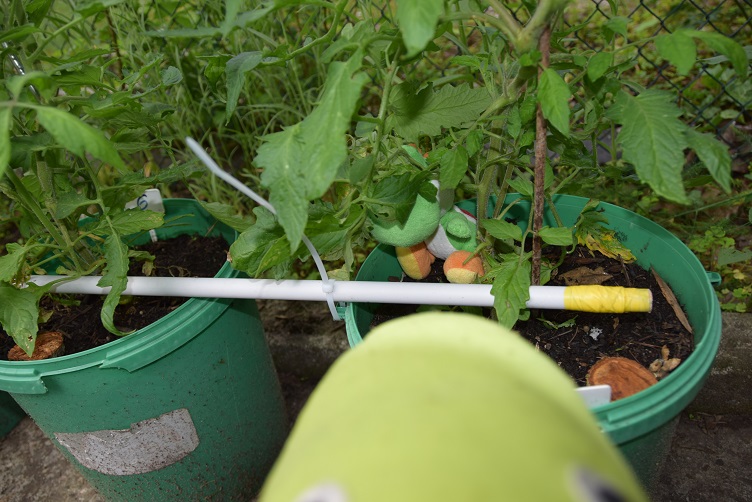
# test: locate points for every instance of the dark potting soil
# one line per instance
(77, 316)
(577, 340)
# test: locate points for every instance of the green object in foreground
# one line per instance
(446, 407)
(641, 425)
(187, 408)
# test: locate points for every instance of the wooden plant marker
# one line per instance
(48, 345)
(625, 376)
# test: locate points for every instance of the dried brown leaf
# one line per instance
(671, 299)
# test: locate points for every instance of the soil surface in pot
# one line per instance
(77, 316)
(577, 340)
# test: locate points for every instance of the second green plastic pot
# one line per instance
(188, 408)
(642, 426)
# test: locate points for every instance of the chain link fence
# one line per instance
(713, 97)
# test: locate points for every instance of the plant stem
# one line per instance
(49, 39)
(382, 116)
(28, 201)
(328, 36)
(508, 24)
(541, 152)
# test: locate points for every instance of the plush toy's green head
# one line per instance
(423, 218)
(420, 224)
(447, 407)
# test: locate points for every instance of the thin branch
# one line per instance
(541, 152)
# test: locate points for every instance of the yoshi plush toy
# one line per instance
(435, 228)
(447, 407)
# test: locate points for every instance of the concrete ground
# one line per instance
(710, 459)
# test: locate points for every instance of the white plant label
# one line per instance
(595, 395)
(146, 446)
(151, 200)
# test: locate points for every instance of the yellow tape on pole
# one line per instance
(613, 299)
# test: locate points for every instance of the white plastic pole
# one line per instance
(541, 297)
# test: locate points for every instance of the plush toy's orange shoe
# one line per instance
(415, 260)
(459, 272)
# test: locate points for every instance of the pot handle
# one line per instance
(21, 381)
(714, 278)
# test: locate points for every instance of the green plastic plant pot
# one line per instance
(188, 407)
(642, 425)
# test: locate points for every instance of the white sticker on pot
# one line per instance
(147, 446)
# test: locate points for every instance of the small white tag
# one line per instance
(151, 200)
(595, 395)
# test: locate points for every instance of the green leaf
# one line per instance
(228, 215)
(726, 46)
(417, 22)
(474, 142)
(528, 108)
(728, 256)
(5, 121)
(83, 75)
(714, 155)
(37, 10)
(616, 25)
(19, 313)
(235, 70)
(68, 201)
(350, 34)
(200, 32)
(591, 232)
(522, 186)
(259, 12)
(453, 167)
(653, 139)
(511, 289)
(301, 162)
(514, 121)
(416, 155)
(16, 83)
(553, 96)
(472, 62)
(599, 64)
(556, 236)
(86, 9)
(360, 168)
(393, 197)
(17, 32)
(260, 246)
(116, 276)
(679, 49)
(78, 137)
(135, 220)
(152, 61)
(427, 112)
(12, 262)
(501, 229)
(232, 8)
(329, 233)
(171, 76)
(723, 59)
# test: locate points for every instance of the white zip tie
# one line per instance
(327, 284)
